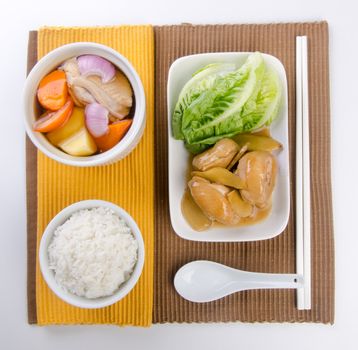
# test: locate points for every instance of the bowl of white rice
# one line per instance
(91, 254)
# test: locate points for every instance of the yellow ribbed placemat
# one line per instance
(128, 183)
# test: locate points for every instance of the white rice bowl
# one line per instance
(93, 253)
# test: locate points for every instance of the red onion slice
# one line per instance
(96, 65)
(96, 119)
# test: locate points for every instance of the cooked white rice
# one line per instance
(93, 253)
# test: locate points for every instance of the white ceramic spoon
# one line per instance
(203, 281)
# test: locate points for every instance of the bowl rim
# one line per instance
(48, 275)
(134, 134)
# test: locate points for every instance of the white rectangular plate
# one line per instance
(179, 73)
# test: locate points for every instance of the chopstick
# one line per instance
(306, 178)
(303, 197)
(299, 179)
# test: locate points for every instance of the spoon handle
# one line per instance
(255, 280)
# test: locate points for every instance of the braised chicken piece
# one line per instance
(115, 95)
(239, 154)
(240, 207)
(192, 212)
(219, 155)
(258, 171)
(200, 179)
(211, 199)
(80, 96)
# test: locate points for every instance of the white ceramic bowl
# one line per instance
(49, 275)
(50, 62)
(179, 73)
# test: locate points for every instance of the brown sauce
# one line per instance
(199, 222)
(262, 132)
(193, 214)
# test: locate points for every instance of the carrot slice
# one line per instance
(52, 92)
(50, 121)
(116, 132)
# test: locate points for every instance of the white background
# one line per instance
(17, 18)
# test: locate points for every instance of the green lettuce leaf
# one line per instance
(221, 102)
(217, 112)
(260, 110)
(201, 80)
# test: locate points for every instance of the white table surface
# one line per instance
(18, 17)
